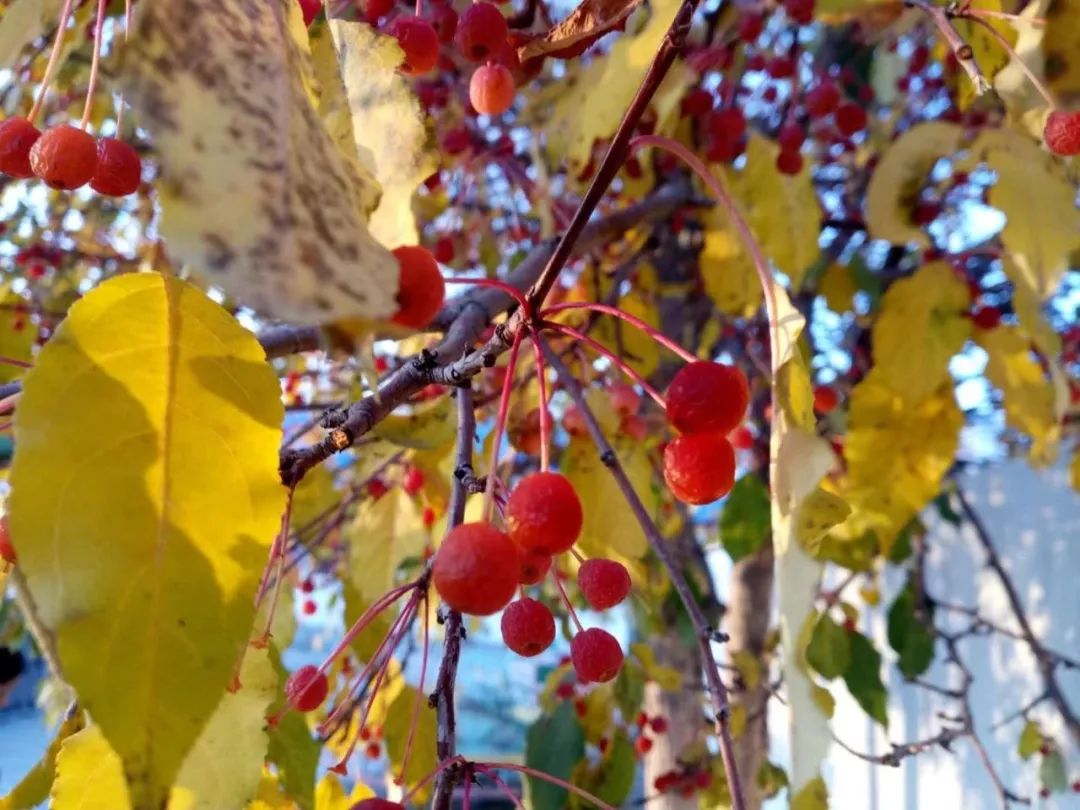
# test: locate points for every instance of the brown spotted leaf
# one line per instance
(254, 192)
(584, 25)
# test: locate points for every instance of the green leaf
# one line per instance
(243, 153)
(1031, 739)
(863, 679)
(745, 522)
(1052, 772)
(616, 772)
(224, 767)
(909, 636)
(629, 690)
(813, 796)
(945, 509)
(553, 744)
(829, 651)
(143, 517)
(771, 779)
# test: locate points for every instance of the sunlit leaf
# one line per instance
(422, 758)
(384, 533)
(89, 775)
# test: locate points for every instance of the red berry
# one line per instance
(624, 398)
(707, 396)
(373, 750)
(603, 583)
(791, 137)
(699, 467)
(849, 625)
(413, 480)
(421, 288)
(750, 27)
(64, 157)
(476, 569)
(534, 567)
(1044, 793)
(374, 9)
(481, 32)
(119, 169)
(309, 607)
(825, 399)
(307, 688)
(7, 551)
(659, 725)
(376, 488)
(375, 803)
(781, 67)
(641, 720)
(574, 423)
(643, 745)
(789, 162)
(1061, 133)
(418, 40)
(596, 655)
(310, 9)
(986, 317)
(702, 779)
(444, 248)
(1076, 786)
(728, 124)
(755, 61)
(491, 89)
(564, 691)
(307, 586)
(544, 513)
(17, 137)
(528, 628)
(445, 21)
(850, 118)
(741, 438)
(697, 102)
(428, 517)
(800, 11)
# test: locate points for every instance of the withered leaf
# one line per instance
(584, 25)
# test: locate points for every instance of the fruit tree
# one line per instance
(440, 310)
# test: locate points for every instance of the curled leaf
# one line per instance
(583, 26)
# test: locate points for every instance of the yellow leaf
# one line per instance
(737, 720)
(899, 175)
(665, 677)
(383, 534)
(254, 192)
(223, 769)
(1028, 395)
(22, 22)
(426, 426)
(610, 529)
(34, 788)
(824, 700)
(989, 54)
(838, 286)
(392, 139)
(634, 346)
(422, 757)
(89, 774)
(144, 516)
(314, 497)
(782, 210)
(1030, 182)
(746, 664)
(15, 343)
(599, 708)
(819, 512)
(814, 795)
(1060, 44)
(922, 324)
(605, 88)
(729, 275)
(330, 794)
(269, 795)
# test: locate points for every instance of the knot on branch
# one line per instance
(607, 458)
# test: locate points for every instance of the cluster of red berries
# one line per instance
(705, 402)
(1062, 133)
(686, 782)
(66, 158)
(658, 725)
(478, 568)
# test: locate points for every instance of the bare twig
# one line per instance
(718, 693)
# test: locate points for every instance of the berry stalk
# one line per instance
(499, 783)
(547, 777)
(500, 424)
(95, 62)
(633, 320)
(54, 58)
(426, 607)
(545, 412)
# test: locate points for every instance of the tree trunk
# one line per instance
(747, 623)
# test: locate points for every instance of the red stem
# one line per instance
(545, 413)
(426, 607)
(500, 423)
(565, 598)
(500, 784)
(497, 284)
(547, 777)
(442, 766)
(656, 335)
(614, 358)
(54, 57)
(279, 545)
(95, 61)
(11, 361)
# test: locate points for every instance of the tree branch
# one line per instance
(718, 693)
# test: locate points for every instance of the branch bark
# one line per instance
(718, 694)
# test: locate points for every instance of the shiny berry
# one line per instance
(705, 396)
(7, 550)
(413, 480)
(544, 514)
(791, 137)
(534, 567)
(421, 288)
(418, 40)
(728, 124)
(643, 745)
(307, 688)
(741, 438)
(699, 468)
(308, 608)
(986, 317)
(697, 102)
(659, 725)
(491, 89)
(476, 569)
(528, 628)
(445, 21)
(825, 399)
(850, 118)
(596, 655)
(64, 157)
(119, 169)
(603, 583)
(789, 162)
(1062, 132)
(376, 488)
(481, 32)
(17, 137)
